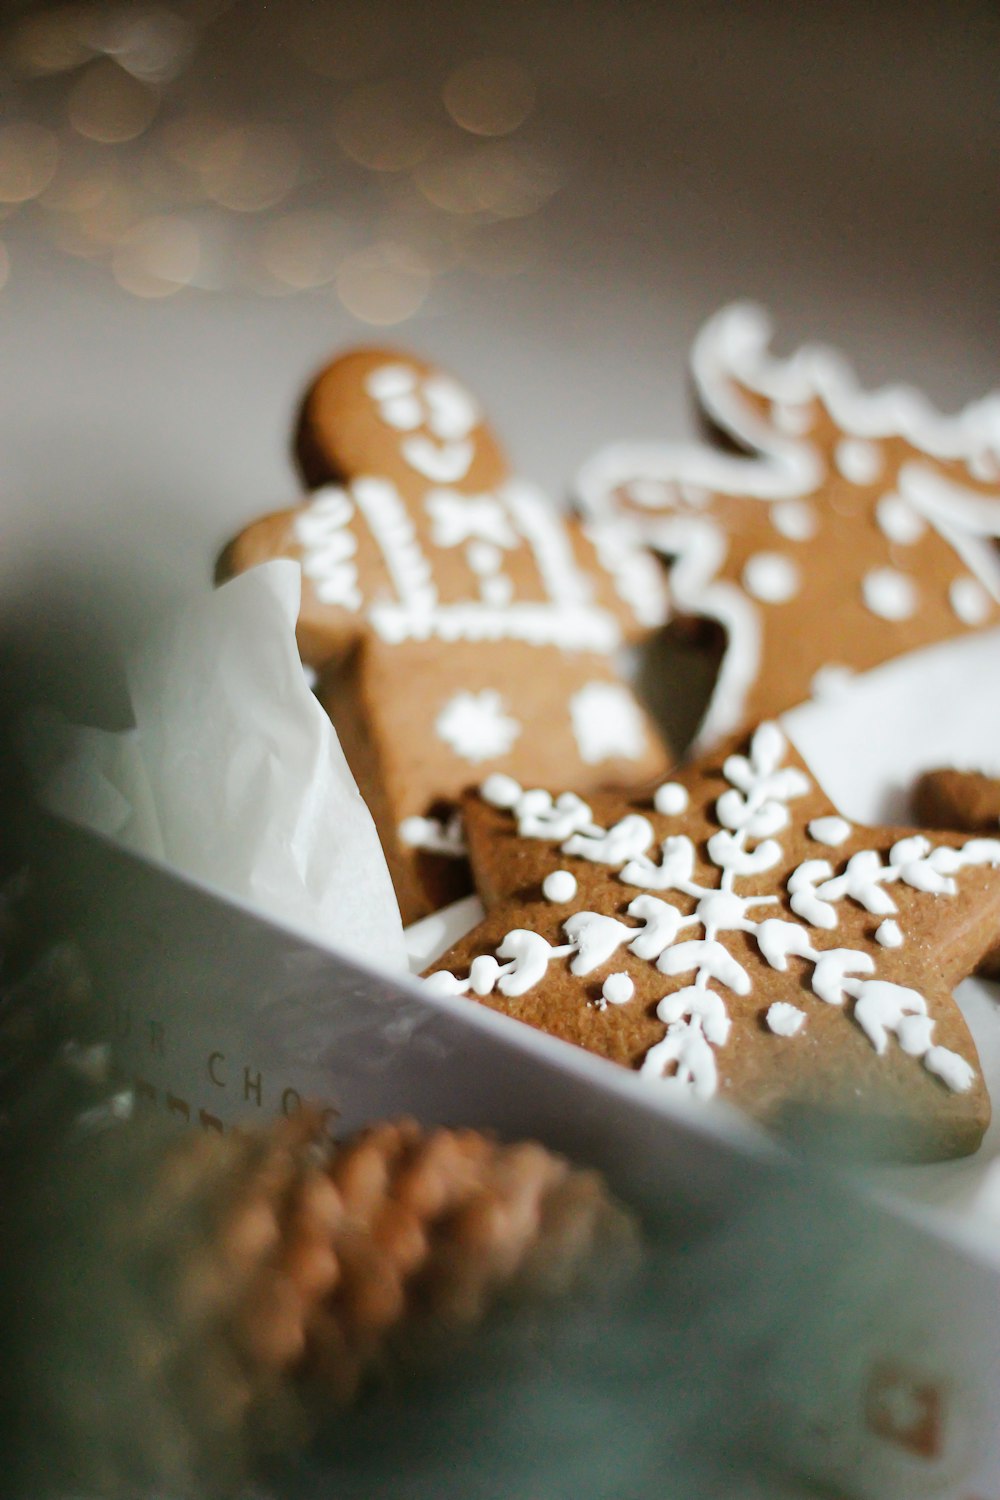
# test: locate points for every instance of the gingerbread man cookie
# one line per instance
(735, 936)
(860, 528)
(459, 622)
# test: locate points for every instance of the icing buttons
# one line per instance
(970, 601)
(795, 519)
(889, 594)
(784, 1019)
(899, 521)
(617, 989)
(857, 460)
(832, 830)
(559, 886)
(670, 799)
(771, 577)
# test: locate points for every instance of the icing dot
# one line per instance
(831, 830)
(500, 790)
(791, 419)
(559, 886)
(785, 1019)
(795, 519)
(771, 577)
(898, 520)
(889, 594)
(617, 989)
(888, 934)
(670, 798)
(483, 557)
(859, 461)
(969, 600)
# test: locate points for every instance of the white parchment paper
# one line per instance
(234, 774)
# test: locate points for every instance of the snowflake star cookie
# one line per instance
(733, 936)
(459, 623)
(861, 527)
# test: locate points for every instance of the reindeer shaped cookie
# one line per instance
(861, 527)
(459, 624)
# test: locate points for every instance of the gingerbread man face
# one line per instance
(734, 937)
(374, 412)
(860, 528)
(459, 620)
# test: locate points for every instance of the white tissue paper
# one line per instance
(233, 773)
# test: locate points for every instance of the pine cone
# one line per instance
(436, 1227)
(189, 1295)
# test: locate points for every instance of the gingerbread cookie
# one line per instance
(969, 800)
(958, 799)
(859, 529)
(458, 621)
(735, 936)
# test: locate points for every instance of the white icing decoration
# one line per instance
(784, 1019)
(455, 518)
(617, 989)
(476, 726)
(483, 558)
(831, 830)
(500, 790)
(389, 381)
(771, 577)
(899, 521)
(888, 933)
(889, 594)
(858, 461)
(437, 402)
(539, 817)
(630, 837)
(572, 629)
(831, 681)
(970, 601)
(444, 463)
(595, 938)
(559, 886)
(328, 547)
(637, 576)
(954, 1072)
(607, 723)
(434, 835)
(695, 1015)
(528, 957)
(390, 524)
(795, 420)
(733, 370)
(795, 519)
(670, 799)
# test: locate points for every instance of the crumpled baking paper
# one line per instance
(233, 773)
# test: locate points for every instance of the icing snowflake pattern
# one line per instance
(752, 813)
(476, 726)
